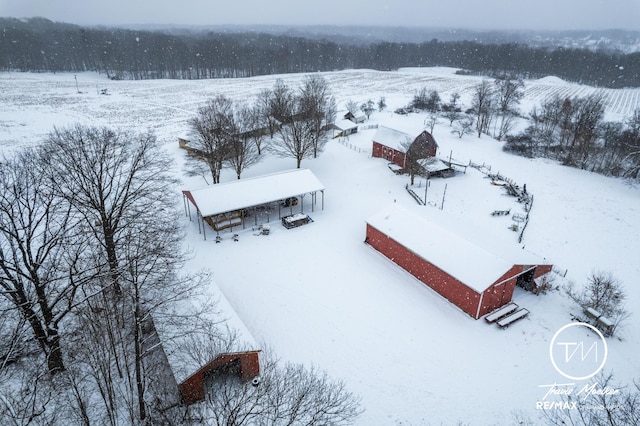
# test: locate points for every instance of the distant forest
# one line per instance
(40, 45)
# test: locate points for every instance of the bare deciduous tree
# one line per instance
(615, 407)
(367, 108)
(583, 130)
(545, 121)
(453, 102)
(431, 121)
(482, 106)
(119, 184)
(609, 157)
(463, 126)
(27, 396)
(261, 123)
(40, 252)
(14, 334)
(604, 293)
(263, 109)
(352, 107)
(119, 371)
(434, 102)
(509, 93)
(452, 116)
(294, 140)
(216, 128)
(633, 160)
(572, 130)
(451, 110)
(305, 131)
(318, 108)
(286, 395)
(282, 102)
(243, 149)
(109, 177)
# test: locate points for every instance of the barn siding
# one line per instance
(377, 150)
(541, 270)
(393, 155)
(500, 292)
(425, 145)
(450, 288)
(192, 389)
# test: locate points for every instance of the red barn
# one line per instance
(395, 146)
(391, 145)
(472, 278)
(245, 365)
(423, 146)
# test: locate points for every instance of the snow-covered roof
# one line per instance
(356, 118)
(236, 195)
(469, 263)
(345, 124)
(392, 138)
(433, 165)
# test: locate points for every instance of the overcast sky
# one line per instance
(475, 14)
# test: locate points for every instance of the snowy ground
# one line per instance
(317, 294)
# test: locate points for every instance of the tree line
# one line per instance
(288, 122)
(41, 45)
(571, 130)
(574, 132)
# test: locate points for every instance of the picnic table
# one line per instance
(513, 317)
(501, 312)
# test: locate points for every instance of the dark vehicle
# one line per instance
(404, 111)
(290, 202)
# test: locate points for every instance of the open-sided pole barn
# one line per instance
(469, 276)
(226, 201)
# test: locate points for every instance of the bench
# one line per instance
(501, 312)
(513, 317)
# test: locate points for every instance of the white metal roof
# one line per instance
(433, 164)
(471, 264)
(393, 138)
(243, 193)
(344, 124)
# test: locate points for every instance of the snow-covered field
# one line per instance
(318, 295)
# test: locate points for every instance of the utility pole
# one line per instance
(77, 88)
(443, 194)
(426, 187)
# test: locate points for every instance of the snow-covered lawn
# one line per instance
(318, 295)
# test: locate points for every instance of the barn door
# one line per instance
(526, 280)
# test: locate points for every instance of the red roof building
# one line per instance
(396, 146)
(469, 276)
(245, 365)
